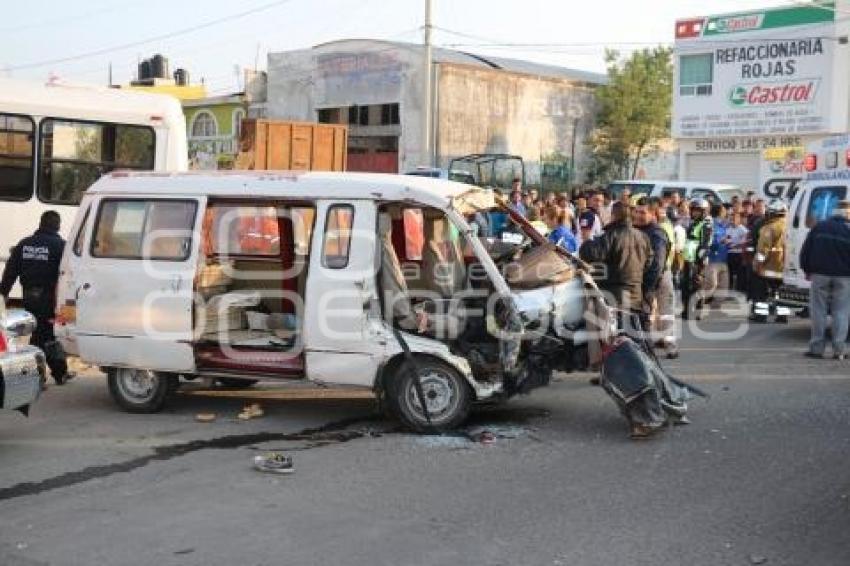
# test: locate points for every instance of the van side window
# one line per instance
(139, 229)
(78, 239)
(237, 229)
(337, 240)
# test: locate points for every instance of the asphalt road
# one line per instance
(760, 477)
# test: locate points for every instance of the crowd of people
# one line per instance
(667, 256)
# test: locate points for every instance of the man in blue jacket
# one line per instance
(825, 258)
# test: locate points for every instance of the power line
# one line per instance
(169, 35)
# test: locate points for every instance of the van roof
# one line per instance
(429, 191)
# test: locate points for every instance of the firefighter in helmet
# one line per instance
(695, 254)
(769, 263)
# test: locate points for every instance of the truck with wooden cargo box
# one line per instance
(301, 146)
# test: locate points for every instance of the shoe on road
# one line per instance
(642, 432)
(274, 463)
(813, 355)
(63, 379)
(839, 357)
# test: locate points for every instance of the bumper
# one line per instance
(20, 377)
(793, 297)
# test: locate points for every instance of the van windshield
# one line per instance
(726, 195)
(822, 203)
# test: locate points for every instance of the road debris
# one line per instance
(758, 559)
(274, 462)
(252, 411)
(206, 417)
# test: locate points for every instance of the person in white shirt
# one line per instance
(737, 235)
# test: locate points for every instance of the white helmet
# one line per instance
(700, 203)
(777, 208)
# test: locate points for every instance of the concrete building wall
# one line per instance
(476, 109)
(489, 111)
(351, 73)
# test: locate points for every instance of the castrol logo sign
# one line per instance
(735, 24)
(774, 94)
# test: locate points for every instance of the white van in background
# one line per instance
(713, 192)
(58, 139)
(826, 182)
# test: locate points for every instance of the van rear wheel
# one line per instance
(140, 390)
(448, 396)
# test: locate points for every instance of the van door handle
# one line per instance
(176, 281)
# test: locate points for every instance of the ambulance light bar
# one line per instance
(811, 162)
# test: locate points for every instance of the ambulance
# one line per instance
(826, 181)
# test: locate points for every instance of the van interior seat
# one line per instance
(443, 266)
(397, 299)
(396, 296)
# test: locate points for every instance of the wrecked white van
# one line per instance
(339, 279)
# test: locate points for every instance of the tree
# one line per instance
(633, 110)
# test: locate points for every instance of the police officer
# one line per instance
(697, 243)
(35, 260)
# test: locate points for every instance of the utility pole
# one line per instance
(426, 111)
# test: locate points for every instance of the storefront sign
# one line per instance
(747, 144)
(774, 77)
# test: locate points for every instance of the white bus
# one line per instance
(58, 139)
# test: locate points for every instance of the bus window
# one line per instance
(16, 157)
(74, 154)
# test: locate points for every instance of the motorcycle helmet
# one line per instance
(700, 203)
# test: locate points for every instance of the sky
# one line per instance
(569, 33)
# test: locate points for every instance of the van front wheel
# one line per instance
(447, 395)
(139, 390)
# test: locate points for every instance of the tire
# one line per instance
(449, 396)
(235, 383)
(140, 391)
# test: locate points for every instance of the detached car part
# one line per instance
(22, 367)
